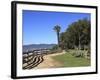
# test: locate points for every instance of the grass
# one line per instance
(68, 60)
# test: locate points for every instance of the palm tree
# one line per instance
(57, 29)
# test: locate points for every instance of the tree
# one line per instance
(63, 40)
(57, 29)
(77, 35)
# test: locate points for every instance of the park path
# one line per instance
(49, 62)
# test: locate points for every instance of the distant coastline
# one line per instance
(37, 46)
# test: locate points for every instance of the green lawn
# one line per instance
(67, 60)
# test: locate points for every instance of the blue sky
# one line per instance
(38, 25)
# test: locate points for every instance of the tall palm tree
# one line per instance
(57, 29)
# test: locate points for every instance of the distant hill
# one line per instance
(37, 46)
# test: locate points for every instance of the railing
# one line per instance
(37, 51)
(33, 58)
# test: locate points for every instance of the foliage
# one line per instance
(77, 35)
(56, 49)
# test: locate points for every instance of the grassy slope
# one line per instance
(67, 60)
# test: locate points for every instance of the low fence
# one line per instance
(33, 58)
(37, 51)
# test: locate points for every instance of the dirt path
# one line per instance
(49, 62)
